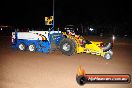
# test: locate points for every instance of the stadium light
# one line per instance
(91, 29)
(113, 38)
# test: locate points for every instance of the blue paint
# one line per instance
(41, 46)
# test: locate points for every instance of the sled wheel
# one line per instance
(32, 47)
(22, 46)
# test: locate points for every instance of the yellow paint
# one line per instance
(92, 48)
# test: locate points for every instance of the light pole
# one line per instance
(53, 15)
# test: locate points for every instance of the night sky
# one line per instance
(31, 13)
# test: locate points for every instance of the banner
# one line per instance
(49, 20)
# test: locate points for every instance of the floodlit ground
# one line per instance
(37, 70)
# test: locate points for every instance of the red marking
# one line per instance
(106, 76)
(43, 37)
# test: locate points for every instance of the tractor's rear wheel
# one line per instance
(68, 46)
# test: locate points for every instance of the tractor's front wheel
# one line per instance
(68, 46)
(108, 56)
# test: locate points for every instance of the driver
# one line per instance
(70, 32)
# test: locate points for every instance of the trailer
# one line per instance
(36, 41)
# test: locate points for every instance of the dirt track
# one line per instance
(37, 70)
